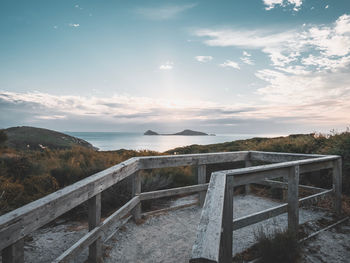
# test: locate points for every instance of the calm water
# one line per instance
(137, 141)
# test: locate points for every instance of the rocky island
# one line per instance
(186, 132)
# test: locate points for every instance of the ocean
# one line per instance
(107, 141)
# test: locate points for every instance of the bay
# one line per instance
(107, 141)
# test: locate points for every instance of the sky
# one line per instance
(253, 67)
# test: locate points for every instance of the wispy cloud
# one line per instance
(163, 12)
(270, 4)
(74, 25)
(167, 65)
(246, 58)
(203, 59)
(230, 64)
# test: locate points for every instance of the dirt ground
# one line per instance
(169, 237)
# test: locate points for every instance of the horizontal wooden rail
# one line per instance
(98, 232)
(284, 185)
(275, 211)
(173, 191)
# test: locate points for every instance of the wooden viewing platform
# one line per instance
(214, 236)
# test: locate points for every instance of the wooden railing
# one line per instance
(212, 244)
(215, 230)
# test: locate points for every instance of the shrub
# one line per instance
(278, 246)
(3, 137)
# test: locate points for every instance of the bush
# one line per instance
(3, 137)
(279, 246)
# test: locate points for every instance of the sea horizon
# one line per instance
(110, 141)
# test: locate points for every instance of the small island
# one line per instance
(186, 132)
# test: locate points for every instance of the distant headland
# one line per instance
(183, 133)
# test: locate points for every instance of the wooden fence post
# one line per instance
(14, 253)
(227, 219)
(293, 199)
(248, 163)
(202, 177)
(136, 190)
(95, 249)
(337, 185)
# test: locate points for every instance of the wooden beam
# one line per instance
(14, 253)
(24, 220)
(293, 204)
(337, 186)
(284, 185)
(190, 159)
(226, 236)
(168, 209)
(259, 216)
(173, 191)
(95, 249)
(136, 190)
(98, 232)
(202, 179)
(278, 157)
(206, 247)
(248, 163)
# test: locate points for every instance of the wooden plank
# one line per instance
(284, 185)
(278, 157)
(173, 191)
(14, 253)
(248, 163)
(202, 179)
(190, 159)
(206, 247)
(275, 211)
(259, 216)
(95, 249)
(136, 190)
(293, 204)
(168, 209)
(24, 220)
(337, 185)
(98, 232)
(226, 237)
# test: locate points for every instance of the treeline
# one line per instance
(26, 175)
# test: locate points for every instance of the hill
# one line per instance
(183, 133)
(25, 137)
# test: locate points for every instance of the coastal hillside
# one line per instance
(25, 137)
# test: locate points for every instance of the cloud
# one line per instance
(230, 64)
(125, 112)
(270, 4)
(163, 12)
(74, 25)
(167, 66)
(203, 59)
(246, 58)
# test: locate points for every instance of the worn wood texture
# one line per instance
(259, 216)
(136, 190)
(284, 185)
(190, 159)
(173, 191)
(24, 220)
(337, 186)
(98, 232)
(95, 249)
(293, 203)
(168, 209)
(14, 253)
(248, 163)
(202, 178)
(226, 236)
(206, 247)
(277, 157)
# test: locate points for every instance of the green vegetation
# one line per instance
(276, 247)
(31, 138)
(3, 137)
(29, 174)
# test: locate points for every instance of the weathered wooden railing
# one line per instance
(212, 245)
(17, 224)
(215, 230)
